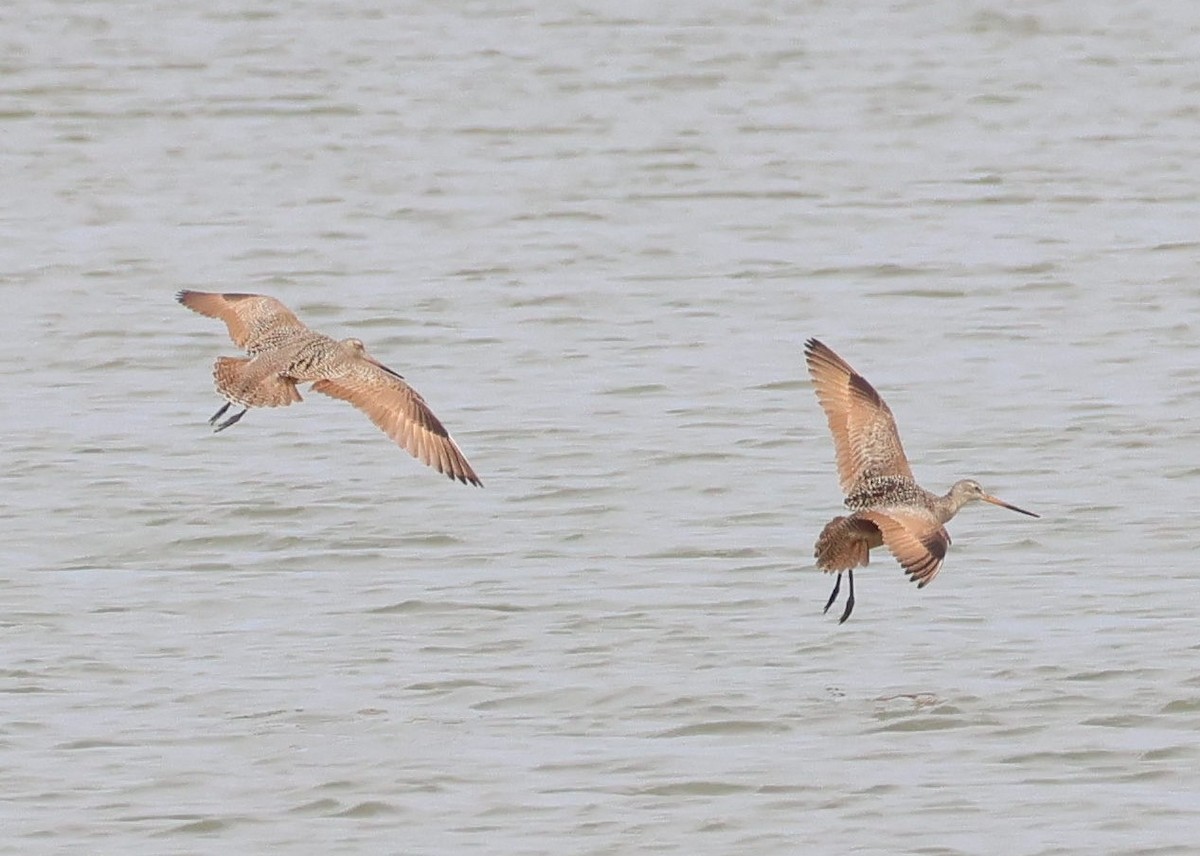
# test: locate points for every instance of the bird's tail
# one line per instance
(845, 544)
(240, 381)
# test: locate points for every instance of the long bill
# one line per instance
(989, 498)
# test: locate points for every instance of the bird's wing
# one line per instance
(915, 538)
(256, 322)
(402, 414)
(864, 431)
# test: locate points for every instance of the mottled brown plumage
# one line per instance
(889, 507)
(284, 352)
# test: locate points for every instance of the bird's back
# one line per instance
(889, 491)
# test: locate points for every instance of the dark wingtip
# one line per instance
(813, 349)
(181, 296)
(465, 478)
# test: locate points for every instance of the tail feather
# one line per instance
(237, 379)
(845, 543)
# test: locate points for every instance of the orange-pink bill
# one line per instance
(989, 498)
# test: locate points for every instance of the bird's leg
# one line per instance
(849, 601)
(837, 585)
(231, 420)
(213, 419)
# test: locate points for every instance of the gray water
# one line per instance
(595, 238)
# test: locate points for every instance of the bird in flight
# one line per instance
(283, 352)
(889, 507)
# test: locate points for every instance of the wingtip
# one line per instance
(816, 351)
(190, 298)
(467, 477)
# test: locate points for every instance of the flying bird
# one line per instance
(889, 507)
(283, 353)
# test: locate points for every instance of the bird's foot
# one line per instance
(836, 587)
(849, 602)
(230, 421)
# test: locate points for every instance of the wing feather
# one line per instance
(916, 540)
(864, 431)
(256, 322)
(401, 413)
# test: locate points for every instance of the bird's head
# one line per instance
(969, 490)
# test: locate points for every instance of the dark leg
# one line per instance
(849, 601)
(231, 420)
(837, 585)
(213, 419)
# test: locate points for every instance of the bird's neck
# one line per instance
(947, 505)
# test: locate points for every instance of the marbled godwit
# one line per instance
(283, 352)
(889, 507)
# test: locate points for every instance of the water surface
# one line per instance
(595, 239)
